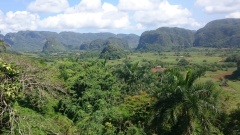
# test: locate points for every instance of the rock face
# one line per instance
(219, 33)
(51, 46)
(165, 38)
(99, 44)
(33, 41)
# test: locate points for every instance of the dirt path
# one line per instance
(222, 75)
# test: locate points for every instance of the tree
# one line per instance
(112, 52)
(183, 106)
(183, 62)
(232, 126)
(135, 77)
(236, 74)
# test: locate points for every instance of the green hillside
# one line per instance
(165, 38)
(219, 33)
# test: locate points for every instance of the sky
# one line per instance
(116, 16)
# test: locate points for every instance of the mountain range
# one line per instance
(34, 41)
(224, 33)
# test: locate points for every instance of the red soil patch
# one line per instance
(157, 70)
(222, 75)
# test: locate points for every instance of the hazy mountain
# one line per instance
(219, 33)
(165, 38)
(132, 39)
(74, 40)
(34, 41)
(99, 44)
(28, 40)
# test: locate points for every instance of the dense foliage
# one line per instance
(81, 94)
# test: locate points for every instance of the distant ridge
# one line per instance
(33, 41)
(222, 33)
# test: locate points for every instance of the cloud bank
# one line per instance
(229, 7)
(17, 21)
(48, 6)
(129, 15)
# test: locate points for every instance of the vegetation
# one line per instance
(78, 94)
(183, 106)
(183, 90)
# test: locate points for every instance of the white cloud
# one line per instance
(136, 5)
(16, 21)
(86, 6)
(233, 15)
(160, 13)
(97, 16)
(220, 6)
(48, 6)
(109, 7)
(127, 15)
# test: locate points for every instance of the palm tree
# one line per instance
(184, 107)
(134, 76)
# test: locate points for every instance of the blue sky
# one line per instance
(117, 16)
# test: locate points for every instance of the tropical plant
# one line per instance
(183, 106)
(135, 77)
(232, 125)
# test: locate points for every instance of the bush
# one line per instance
(183, 62)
